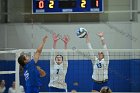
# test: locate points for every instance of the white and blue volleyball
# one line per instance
(81, 32)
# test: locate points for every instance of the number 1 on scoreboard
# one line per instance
(97, 3)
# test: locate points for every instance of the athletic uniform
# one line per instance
(32, 77)
(2, 90)
(100, 69)
(57, 74)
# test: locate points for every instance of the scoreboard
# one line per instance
(67, 6)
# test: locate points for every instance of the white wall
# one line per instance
(118, 5)
(0, 11)
(2, 37)
(117, 35)
(138, 10)
(136, 29)
(136, 33)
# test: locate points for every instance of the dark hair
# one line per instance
(1, 81)
(59, 55)
(21, 60)
(105, 90)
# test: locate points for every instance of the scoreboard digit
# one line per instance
(83, 4)
(67, 6)
(41, 4)
(51, 4)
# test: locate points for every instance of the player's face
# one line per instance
(27, 58)
(58, 59)
(13, 85)
(100, 55)
(3, 82)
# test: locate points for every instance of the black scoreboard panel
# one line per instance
(67, 6)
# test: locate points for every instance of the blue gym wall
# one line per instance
(124, 75)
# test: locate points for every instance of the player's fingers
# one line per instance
(68, 37)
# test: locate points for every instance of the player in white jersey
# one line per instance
(100, 64)
(58, 67)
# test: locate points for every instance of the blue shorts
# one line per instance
(98, 86)
(53, 89)
(32, 89)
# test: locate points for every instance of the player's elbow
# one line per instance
(39, 51)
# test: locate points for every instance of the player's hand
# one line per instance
(100, 34)
(41, 71)
(55, 37)
(66, 39)
(44, 38)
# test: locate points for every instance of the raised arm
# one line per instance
(55, 39)
(90, 47)
(66, 39)
(88, 42)
(39, 49)
(101, 34)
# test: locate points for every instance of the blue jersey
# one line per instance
(31, 74)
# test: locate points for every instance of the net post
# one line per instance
(17, 71)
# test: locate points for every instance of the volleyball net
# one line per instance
(124, 68)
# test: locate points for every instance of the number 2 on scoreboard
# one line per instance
(51, 4)
(83, 3)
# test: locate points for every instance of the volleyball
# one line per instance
(81, 32)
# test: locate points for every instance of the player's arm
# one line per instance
(55, 39)
(101, 35)
(41, 71)
(92, 56)
(39, 49)
(53, 54)
(66, 39)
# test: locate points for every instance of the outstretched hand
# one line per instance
(44, 38)
(100, 34)
(66, 39)
(55, 37)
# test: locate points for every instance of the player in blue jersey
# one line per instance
(31, 73)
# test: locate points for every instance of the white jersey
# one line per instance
(100, 67)
(12, 90)
(58, 72)
(2, 90)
